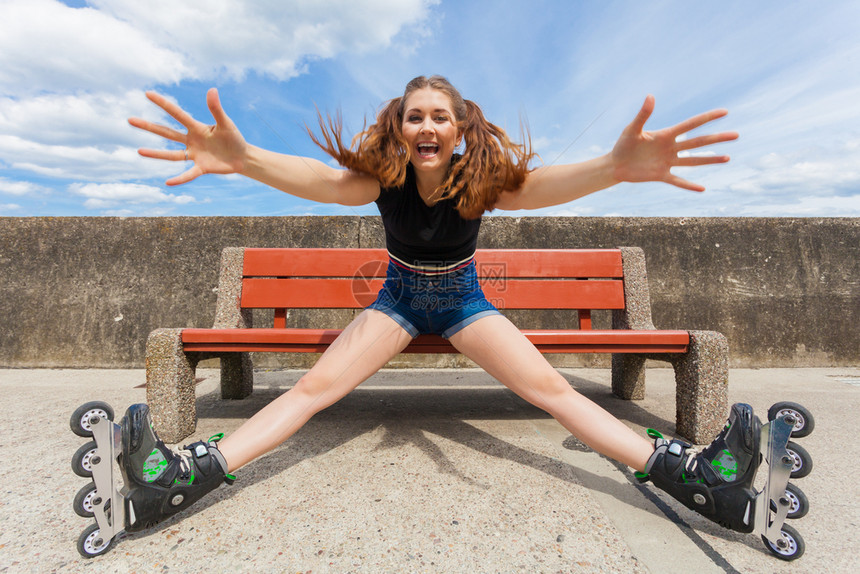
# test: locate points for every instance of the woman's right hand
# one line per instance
(213, 149)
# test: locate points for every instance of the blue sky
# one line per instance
(577, 71)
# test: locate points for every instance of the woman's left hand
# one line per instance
(641, 155)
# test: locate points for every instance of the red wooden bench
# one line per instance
(582, 280)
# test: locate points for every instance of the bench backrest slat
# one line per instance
(302, 262)
(561, 263)
(511, 279)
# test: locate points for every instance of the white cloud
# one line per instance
(572, 209)
(271, 37)
(80, 162)
(9, 207)
(69, 77)
(802, 174)
(46, 46)
(79, 119)
(809, 207)
(111, 195)
(21, 188)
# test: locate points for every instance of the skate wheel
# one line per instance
(84, 459)
(790, 545)
(798, 504)
(802, 461)
(85, 501)
(804, 423)
(80, 422)
(91, 543)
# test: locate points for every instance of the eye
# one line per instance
(441, 119)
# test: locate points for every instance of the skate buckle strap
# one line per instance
(186, 465)
(643, 477)
(674, 456)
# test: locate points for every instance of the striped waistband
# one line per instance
(439, 269)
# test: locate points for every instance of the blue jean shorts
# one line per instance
(438, 304)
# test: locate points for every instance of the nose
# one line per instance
(427, 126)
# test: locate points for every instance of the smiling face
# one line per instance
(430, 129)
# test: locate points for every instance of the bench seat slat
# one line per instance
(560, 263)
(355, 294)
(547, 340)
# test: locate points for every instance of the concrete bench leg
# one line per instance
(237, 376)
(628, 376)
(170, 385)
(701, 382)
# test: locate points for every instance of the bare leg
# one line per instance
(497, 346)
(362, 349)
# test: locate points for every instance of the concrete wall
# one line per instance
(85, 292)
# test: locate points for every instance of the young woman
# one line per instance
(431, 200)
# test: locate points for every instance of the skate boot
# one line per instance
(161, 482)
(718, 482)
(149, 481)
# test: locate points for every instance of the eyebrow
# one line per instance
(436, 111)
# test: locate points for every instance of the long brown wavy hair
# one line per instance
(490, 164)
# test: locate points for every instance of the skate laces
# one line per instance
(186, 464)
(692, 462)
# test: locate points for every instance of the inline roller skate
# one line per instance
(156, 482)
(719, 482)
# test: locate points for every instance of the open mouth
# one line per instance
(427, 150)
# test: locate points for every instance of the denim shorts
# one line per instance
(433, 304)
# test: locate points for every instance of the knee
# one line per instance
(551, 392)
(310, 389)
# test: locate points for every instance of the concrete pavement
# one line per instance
(422, 470)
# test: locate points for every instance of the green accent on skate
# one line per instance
(726, 465)
(653, 433)
(686, 480)
(216, 437)
(184, 482)
(230, 476)
(154, 465)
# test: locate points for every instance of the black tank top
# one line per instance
(418, 235)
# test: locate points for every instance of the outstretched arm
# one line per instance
(221, 149)
(638, 155)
